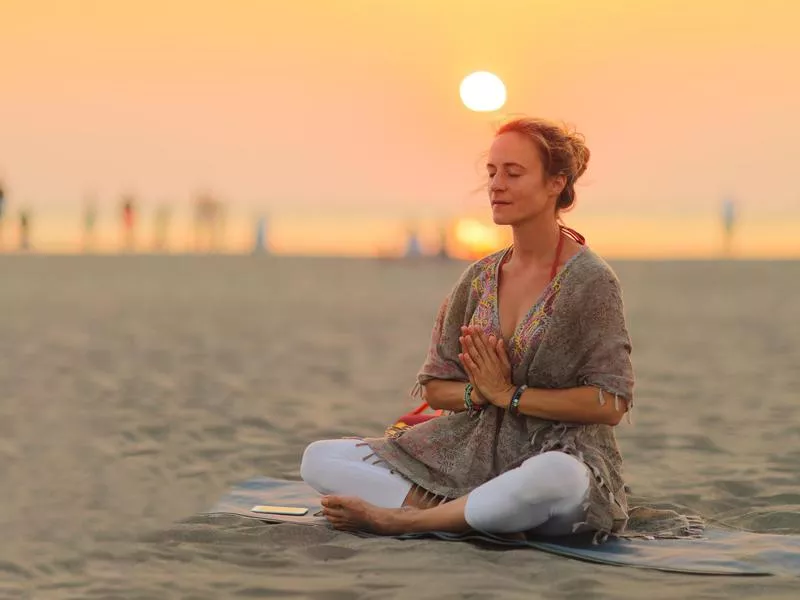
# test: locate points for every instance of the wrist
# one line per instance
(472, 400)
(503, 398)
(513, 407)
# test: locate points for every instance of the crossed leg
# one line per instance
(546, 493)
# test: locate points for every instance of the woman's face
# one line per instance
(519, 191)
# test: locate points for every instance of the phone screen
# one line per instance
(280, 510)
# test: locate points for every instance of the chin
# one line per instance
(501, 217)
(500, 220)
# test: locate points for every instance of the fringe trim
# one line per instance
(692, 527)
(429, 498)
(556, 441)
(601, 399)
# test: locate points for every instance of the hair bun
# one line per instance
(580, 153)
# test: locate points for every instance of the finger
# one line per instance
(471, 350)
(502, 354)
(465, 361)
(491, 348)
(461, 357)
(481, 345)
(469, 363)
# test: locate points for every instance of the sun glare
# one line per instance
(476, 238)
(483, 92)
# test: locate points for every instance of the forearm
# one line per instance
(441, 394)
(575, 405)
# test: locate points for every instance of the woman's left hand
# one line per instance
(486, 362)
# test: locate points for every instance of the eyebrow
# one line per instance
(507, 164)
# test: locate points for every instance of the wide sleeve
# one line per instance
(604, 339)
(441, 360)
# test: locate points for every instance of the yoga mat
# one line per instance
(720, 552)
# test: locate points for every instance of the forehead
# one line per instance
(513, 147)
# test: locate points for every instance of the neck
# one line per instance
(535, 241)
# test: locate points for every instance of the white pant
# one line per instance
(546, 492)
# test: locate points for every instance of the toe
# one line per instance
(331, 501)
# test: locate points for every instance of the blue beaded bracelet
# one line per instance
(513, 407)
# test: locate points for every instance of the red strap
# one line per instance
(564, 231)
(573, 234)
(559, 247)
(422, 407)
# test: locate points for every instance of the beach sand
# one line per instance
(136, 390)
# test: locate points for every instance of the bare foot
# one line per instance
(350, 514)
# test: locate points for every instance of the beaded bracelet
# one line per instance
(471, 408)
(513, 407)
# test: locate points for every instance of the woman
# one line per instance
(531, 356)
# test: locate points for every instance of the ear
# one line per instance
(555, 184)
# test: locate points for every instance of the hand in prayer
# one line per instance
(487, 364)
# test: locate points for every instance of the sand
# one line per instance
(136, 390)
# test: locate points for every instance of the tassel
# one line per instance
(425, 497)
(577, 526)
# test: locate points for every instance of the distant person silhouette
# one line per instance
(443, 253)
(24, 230)
(413, 246)
(128, 222)
(89, 223)
(728, 225)
(260, 245)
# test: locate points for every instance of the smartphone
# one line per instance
(298, 511)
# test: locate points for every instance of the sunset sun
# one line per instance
(483, 92)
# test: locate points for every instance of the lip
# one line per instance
(499, 203)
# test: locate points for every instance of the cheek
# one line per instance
(528, 187)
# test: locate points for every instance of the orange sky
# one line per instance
(319, 110)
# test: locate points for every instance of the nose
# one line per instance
(497, 183)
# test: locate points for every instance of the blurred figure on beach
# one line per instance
(209, 222)
(443, 252)
(128, 222)
(728, 225)
(260, 243)
(89, 223)
(413, 246)
(24, 230)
